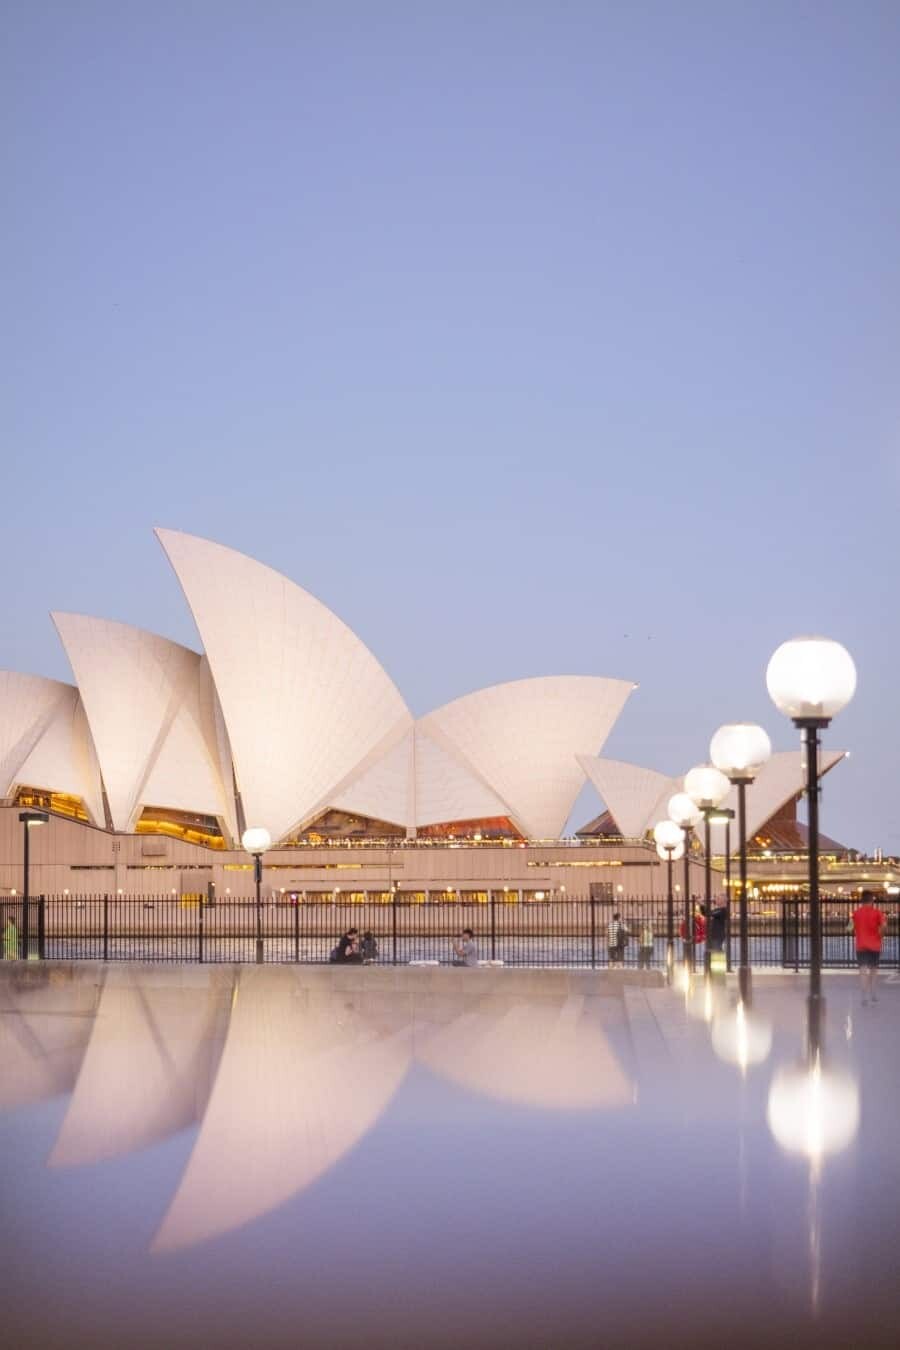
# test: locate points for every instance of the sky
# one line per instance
(533, 338)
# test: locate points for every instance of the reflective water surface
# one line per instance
(284, 1156)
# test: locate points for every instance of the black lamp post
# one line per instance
(29, 819)
(683, 810)
(706, 786)
(724, 815)
(669, 839)
(810, 679)
(740, 749)
(256, 841)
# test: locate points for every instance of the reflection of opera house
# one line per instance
(158, 757)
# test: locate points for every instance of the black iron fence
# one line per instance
(571, 932)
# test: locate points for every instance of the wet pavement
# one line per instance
(248, 1157)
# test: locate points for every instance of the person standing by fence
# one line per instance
(10, 939)
(616, 940)
(868, 926)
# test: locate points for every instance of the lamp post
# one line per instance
(29, 820)
(669, 839)
(810, 679)
(740, 749)
(707, 786)
(724, 815)
(256, 841)
(684, 811)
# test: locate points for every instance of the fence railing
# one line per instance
(574, 932)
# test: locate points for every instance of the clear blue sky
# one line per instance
(532, 338)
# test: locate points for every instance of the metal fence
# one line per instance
(574, 932)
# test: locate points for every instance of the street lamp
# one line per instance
(29, 819)
(685, 812)
(669, 839)
(707, 786)
(724, 815)
(740, 749)
(810, 679)
(256, 841)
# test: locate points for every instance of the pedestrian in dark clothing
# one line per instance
(368, 948)
(347, 951)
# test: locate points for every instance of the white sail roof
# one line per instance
(45, 741)
(522, 739)
(296, 1088)
(150, 708)
(304, 700)
(420, 783)
(777, 783)
(635, 797)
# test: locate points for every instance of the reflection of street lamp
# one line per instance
(740, 749)
(810, 679)
(29, 819)
(813, 1109)
(740, 1037)
(685, 812)
(256, 841)
(669, 839)
(707, 786)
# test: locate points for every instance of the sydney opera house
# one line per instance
(154, 761)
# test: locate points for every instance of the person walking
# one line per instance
(869, 924)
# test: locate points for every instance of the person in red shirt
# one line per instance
(868, 926)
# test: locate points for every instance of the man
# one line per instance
(868, 926)
(465, 952)
(616, 940)
(347, 949)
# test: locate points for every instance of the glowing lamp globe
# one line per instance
(741, 1037)
(740, 749)
(707, 786)
(256, 840)
(667, 834)
(811, 677)
(675, 854)
(813, 1110)
(684, 810)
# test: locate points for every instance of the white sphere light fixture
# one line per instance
(811, 677)
(740, 749)
(256, 839)
(670, 854)
(667, 834)
(684, 810)
(707, 786)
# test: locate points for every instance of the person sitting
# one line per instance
(347, 951)
(368, 948)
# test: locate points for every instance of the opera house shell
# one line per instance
(286, 720)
